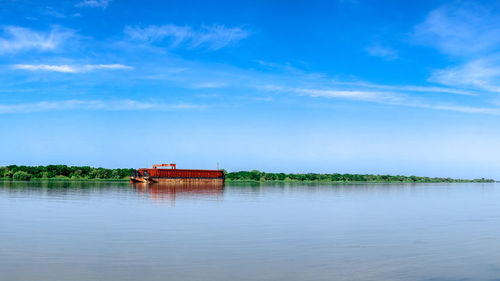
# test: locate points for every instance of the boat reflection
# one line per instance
(169, 192)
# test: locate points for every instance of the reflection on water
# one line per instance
(168, 192)
(79, 231)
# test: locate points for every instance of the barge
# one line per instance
(168, 173)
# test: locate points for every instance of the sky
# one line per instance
(348, 86)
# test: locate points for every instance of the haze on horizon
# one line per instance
(373, 87)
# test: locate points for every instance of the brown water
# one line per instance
(113, 231)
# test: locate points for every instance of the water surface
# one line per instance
(114, 231)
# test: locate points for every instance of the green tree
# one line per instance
(255, 175)
(93, 173)
(8, 173)
(115, 174)
(21, 176)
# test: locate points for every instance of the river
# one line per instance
(114, 231)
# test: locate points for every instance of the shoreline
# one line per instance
(87, 173)
(249, 181)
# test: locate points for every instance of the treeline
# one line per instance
(62, 172)
(89, 173)
(335, 177)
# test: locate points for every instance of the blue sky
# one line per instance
(388, 87)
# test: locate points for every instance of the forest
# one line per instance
(62, 172)
(336, 177)
(14, 172)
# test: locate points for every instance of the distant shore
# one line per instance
(87, 173)
(338, 178)
(253, 181)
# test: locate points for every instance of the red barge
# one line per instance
(168, 173)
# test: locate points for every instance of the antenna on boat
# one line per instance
(217, 165)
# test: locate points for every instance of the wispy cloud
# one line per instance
(483, 73)
(293, 82)
(101, 105)
(90, 67)
(461, 29)
(409, 88)
(385, 52)
(383, 97)
(94, 3)
(373, 96)
(471, 33)
(210, 85)
(15, 38)
(212, 37)
(70, 68)
(463, 109)
(324, 92)
(52, 12)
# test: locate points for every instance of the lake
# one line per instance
(114, 231)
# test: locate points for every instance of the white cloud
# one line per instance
(90, 67)
(351, 94)
(384, 97)
(460, 29)
(382, 51)
(44, 67)
(481, 73)
(292, 82)
(212, 37)
(101, 105)
(155, 33)
(70, 68)
(463, 109)
(15, 39)
(360, 95)
(218, 36)
(209, 85)
(94, 3)
(52, 12)
(406, 88)
(471, 33)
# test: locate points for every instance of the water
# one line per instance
(113, 231)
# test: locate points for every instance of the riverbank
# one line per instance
(87, 173)
(67, 179)
(248, 181)
(340, 182)
(337, 177)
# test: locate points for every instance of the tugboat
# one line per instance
(168, 173)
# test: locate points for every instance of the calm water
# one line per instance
(114, 231)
